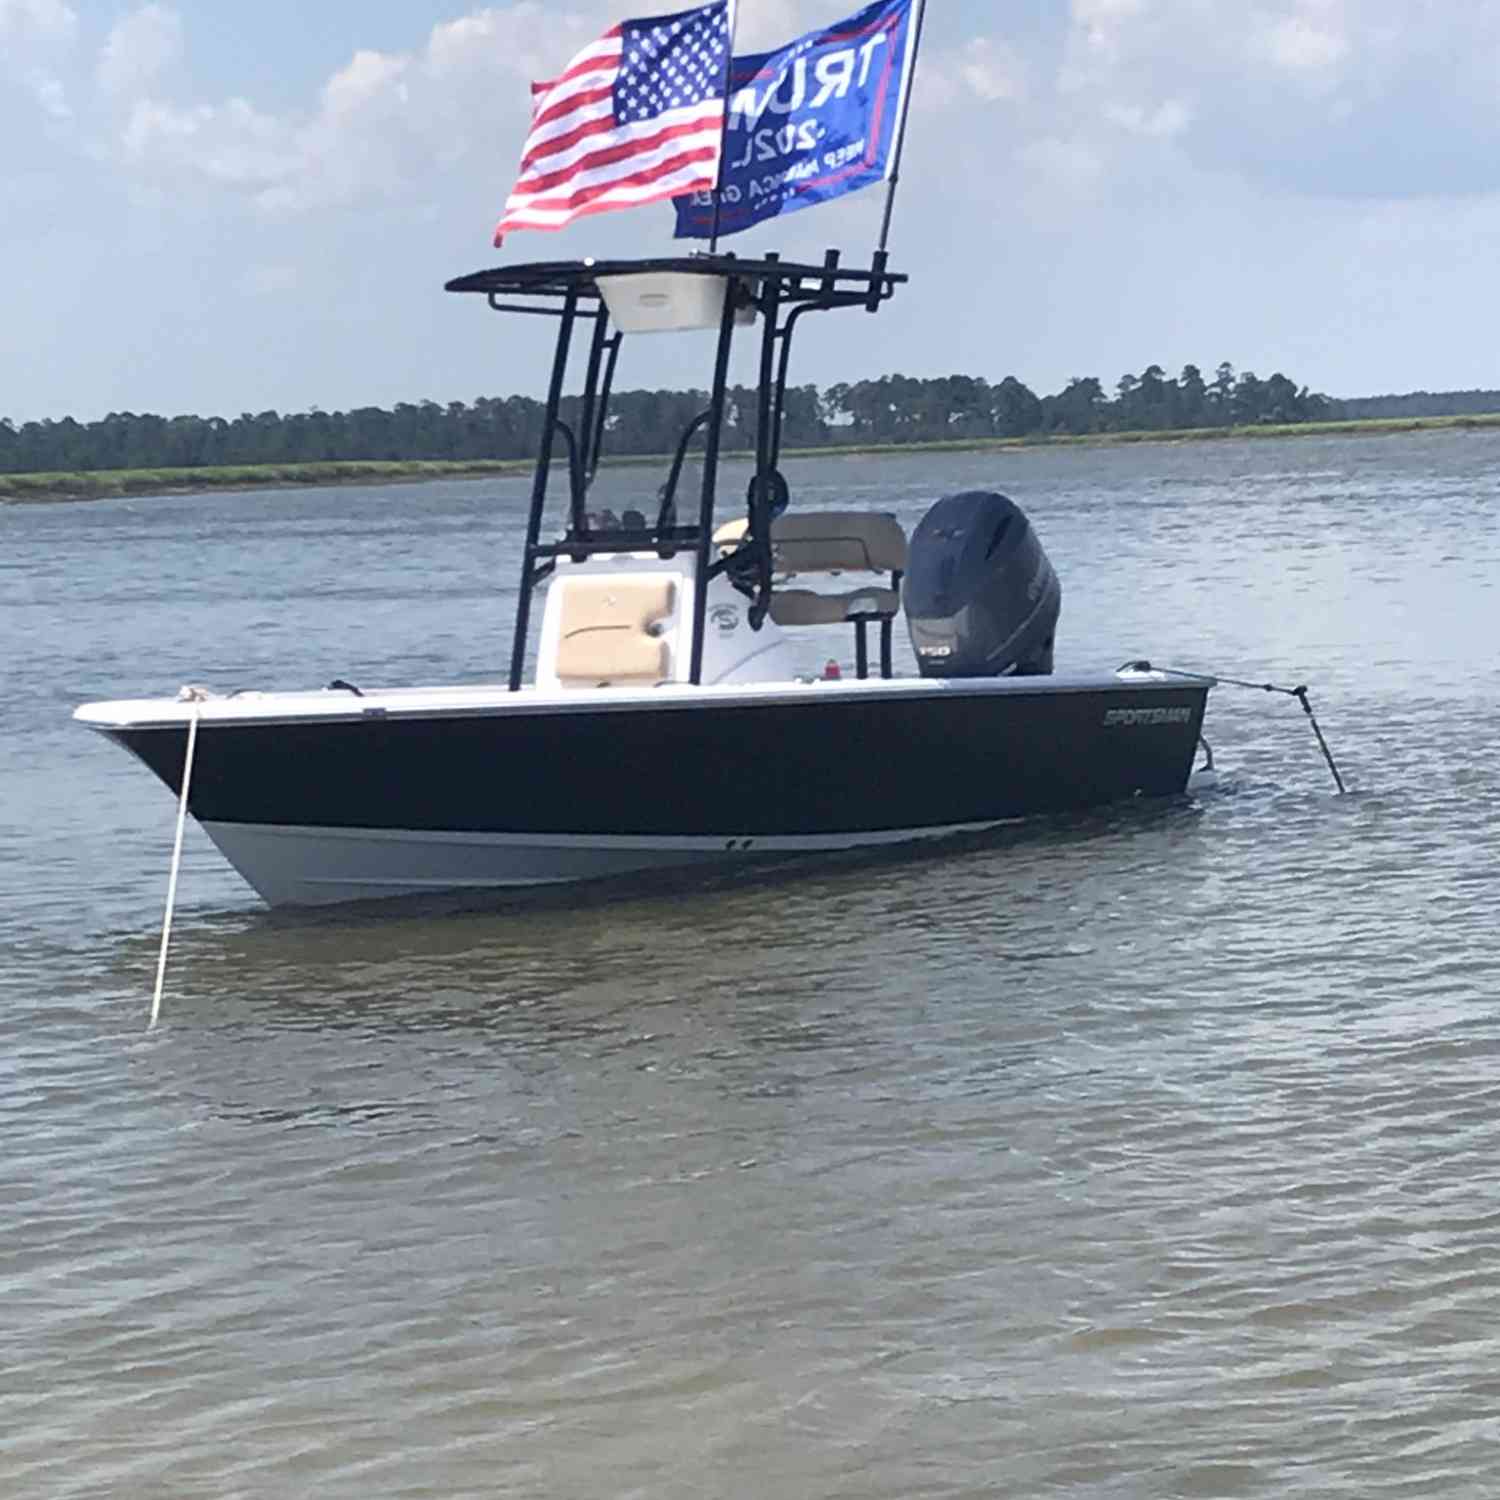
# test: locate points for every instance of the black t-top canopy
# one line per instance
(612, 297)
(796, 282)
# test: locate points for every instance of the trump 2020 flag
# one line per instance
(815, 120)
(636, 116)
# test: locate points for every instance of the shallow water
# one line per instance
(1140, 1154)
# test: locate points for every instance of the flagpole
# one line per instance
(713, 242)
(906, 83)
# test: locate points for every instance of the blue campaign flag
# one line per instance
(808, 123)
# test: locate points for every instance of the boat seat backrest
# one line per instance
(832, 541)
(613, 631)
(808, 607)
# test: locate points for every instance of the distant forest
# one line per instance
(892, 409)
(1420, 404)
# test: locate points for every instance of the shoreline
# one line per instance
(111, 484)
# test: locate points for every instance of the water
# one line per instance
(1144, 1154)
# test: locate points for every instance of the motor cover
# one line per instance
(980, 595)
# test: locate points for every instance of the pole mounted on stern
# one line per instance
(878, 261)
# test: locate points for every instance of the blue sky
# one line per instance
(222, 208)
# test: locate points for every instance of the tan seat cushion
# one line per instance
(830, 541)
(804, 607)
(606, 630)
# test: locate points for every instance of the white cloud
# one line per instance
(992, 69)
(1140, 104)
(27, 22)
(1097, 23)
(50, 95)
(385, 120)
(231, 145)
(139, 50)
(35, 35)
(1165, 120)
(1299, 45)
(763, 24)
(369, 78)
(381, 123)
(1070, 165)
(1354, 97)
(1366, 98)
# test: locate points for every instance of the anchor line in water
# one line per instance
(196, 697)
(1299, 693)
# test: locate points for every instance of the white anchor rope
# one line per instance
(196, 697)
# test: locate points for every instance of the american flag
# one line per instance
(636, 116)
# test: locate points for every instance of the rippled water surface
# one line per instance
(1145, 1154)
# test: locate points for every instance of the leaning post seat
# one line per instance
(612, 631)
(837, 542)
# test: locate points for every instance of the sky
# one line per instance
(219, 208)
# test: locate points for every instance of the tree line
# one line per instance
(1422, 404)
(891, 409)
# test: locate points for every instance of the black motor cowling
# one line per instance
(980, 595)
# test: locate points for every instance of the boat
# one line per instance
(656, 717)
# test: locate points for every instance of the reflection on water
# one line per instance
(1135, 1154)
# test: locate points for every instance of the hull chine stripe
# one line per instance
(302, 866)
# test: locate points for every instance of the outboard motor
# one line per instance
(980, 595)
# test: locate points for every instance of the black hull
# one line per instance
(833, 764)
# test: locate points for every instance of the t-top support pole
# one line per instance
(539, 489)
(711, 479)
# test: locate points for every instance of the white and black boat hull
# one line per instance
(319, 866)
(333, 799)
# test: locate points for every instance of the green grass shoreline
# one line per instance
(112, 483)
